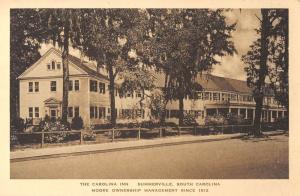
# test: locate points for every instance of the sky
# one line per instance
(243, 37)
(231, 66)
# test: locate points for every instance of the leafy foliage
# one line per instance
(24, 52)
(108, 36)
(61, 27)
(77, 123)
(267, 60)
(185, 43)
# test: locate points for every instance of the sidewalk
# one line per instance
(63, 151)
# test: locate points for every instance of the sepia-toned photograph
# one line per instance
(111, 93)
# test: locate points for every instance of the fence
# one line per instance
(113, 133)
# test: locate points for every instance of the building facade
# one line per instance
(41, 87)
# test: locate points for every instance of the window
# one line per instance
(76, 85)
(49, 66)
(30, 87)
(206, 96)
(92, 114)
(233, 97)
(224, 96)
(216, 96)
(102, 112)
(53, 86)
(30, 112)
(199, 96)
(53, 65)
(76, 111)
(129, 95)
(174, 113)
(93, 86)
(58, 65)
(101, 88)
(274, 114)
(167, 114)
(70, 112)
(36, 112)
(70, 85)
(36, 86)
(96, 112)
(138, 94)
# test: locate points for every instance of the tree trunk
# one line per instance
(164, 109)
(65, 63)
(262, 72)
(112, 95)
(257, 118)
(181, 108)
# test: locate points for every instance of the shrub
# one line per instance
(77, 123)
(52, 127)
(234, 119)
(283, 123)
(149, 124)
(189, 120)
(47, 118)
(102, 126)
(18, 124)
(215, 120)
(89, 135)
(171, 124)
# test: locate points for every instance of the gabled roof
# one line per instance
(84, 66)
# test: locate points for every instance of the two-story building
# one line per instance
(41, 87)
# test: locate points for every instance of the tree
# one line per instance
(109, 35)
(187, 42)
(279, 44)
(267, 60)
(23, 50)
(61, 27)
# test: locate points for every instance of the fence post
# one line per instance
(195, 130)
(160, 132)
(42, 143)
(139, 133)
(179, 131)
(232, 128)
(113, 135)
(81, 136)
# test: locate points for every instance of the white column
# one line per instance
(277, 114)
(239, 111)
(271, 112)
(246, 113)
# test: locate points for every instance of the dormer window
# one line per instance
(53, 65)
(58, 65)
(49, 66)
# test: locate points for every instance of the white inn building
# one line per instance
(41, 87)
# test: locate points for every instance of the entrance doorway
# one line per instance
(53, 113)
